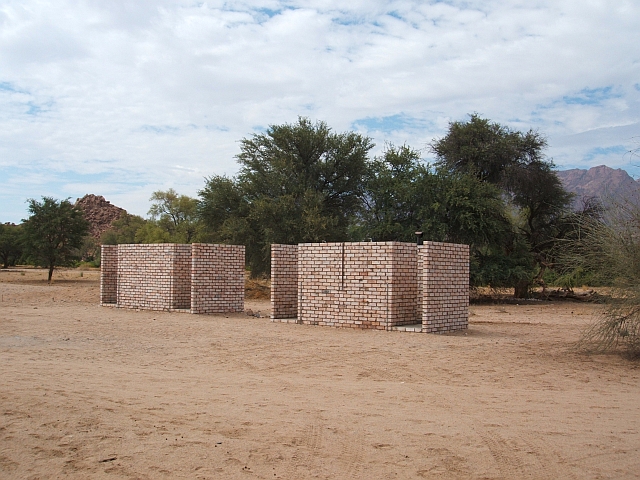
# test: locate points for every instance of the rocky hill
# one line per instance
(99, 213)
(601, 182)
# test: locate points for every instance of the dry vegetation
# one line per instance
(609, 246)
(257, 288)
(90, 392)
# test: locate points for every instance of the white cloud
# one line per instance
(130, 90)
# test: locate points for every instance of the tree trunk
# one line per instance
(522, 289)
(50, 273)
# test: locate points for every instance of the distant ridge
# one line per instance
(602, 182)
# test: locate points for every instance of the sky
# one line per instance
(122, 98)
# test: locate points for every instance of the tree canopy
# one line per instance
(123, 230)
(298, 182)
(176, 214)
(490, 187)
(54, 232)
(404, 195)
(515, 163)
(10, 244)
(174, 219)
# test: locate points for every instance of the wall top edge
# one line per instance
(314, 244)
(426, 243)
(445, 244)
(172, 244)
(217, 245)
(333, 244)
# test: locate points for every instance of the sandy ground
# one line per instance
(91, 392)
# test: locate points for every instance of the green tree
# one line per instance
(515, 163)
(151, 232)
(297, 183)
(403, 195)
(10, 244)
(394, 196)
(123, 230)
(54, 232)
(226, 213)
(542, 206)
(176, 214)
(487, 150)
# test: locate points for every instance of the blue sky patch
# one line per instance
(259, 129)
(602, 151)
(388, 124)
(269, 12)
(10, 87)
(591, 96)
(265, 14)
(160, 129)
(7, 87)
(215, 128)
(348, 20)
(35, 109)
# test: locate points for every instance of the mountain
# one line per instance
(602, 182)
(99, 213)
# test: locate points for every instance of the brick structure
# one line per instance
(153, 277)
(445, 286)
(181, 278)
(284, 281)
(357, 285)
(217, 278)
(109, 275)
(196, 278)
(379, 285)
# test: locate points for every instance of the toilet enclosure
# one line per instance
(379, 285)
(196, 278)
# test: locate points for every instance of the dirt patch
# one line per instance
(257, 288)
(92, 392)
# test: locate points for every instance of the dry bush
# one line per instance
(257, 288)
(618, 327)
(609, 246)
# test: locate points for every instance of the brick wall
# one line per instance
(181, 278)
(284, 281)
(145, 276)
(319, 283)
(200, 278)
(405, 302)
(357, 285)
(217, 278)
(445, 286)
(108, 274)
(380, 285)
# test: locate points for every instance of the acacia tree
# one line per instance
(226, 215)
(176, 214)
(395, 186)
(54, 232)
(298, 182)
(542, 204)
(403, 195)
(515, 163)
